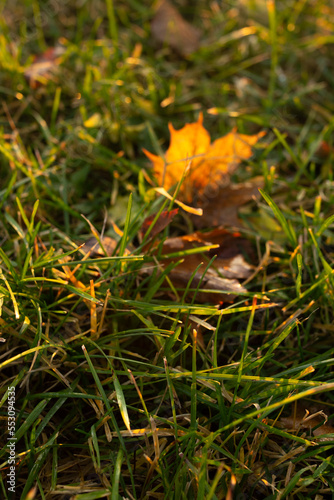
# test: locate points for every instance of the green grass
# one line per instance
(124, 386)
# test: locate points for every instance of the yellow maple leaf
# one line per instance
(208, 163)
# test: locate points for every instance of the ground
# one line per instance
(126, 373)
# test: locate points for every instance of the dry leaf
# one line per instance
(229, 262)
(169, 27)
(229, 288)
(324, 150)
(44, 66)
(222, 275)
(186, 208)
(208, 162)
(93, 247)
(307, 417)
(220, 208)
(163, 220)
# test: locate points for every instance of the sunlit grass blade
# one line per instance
(287, 228)
(121, 402)
(193, 382)
(116, 477)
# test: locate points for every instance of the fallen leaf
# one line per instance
(221, 208)
(221, 280)
(44, 66)
(93, 121)
(308, 417)
(93, 247)
(229, 262)
(209, 164)
(161, 223)
(229, 288)
(324, 150)
(169, 27)
(222, 275)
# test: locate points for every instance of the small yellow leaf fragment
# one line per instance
(93, 121)
(186, 208)
(86, 137)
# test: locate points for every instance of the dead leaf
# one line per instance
(324, 150)
(44, 66)
(210, 163)
(161, 223)
(307, 417)
(229, 288)
(169, 27)
(94, 249)
(229, 262)
(220, 208)
(222, 275)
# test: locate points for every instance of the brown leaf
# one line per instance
(307, 416)
(228, 288)
(324, 150)
(222, 275)
(44, 66)
(229, 262)
(220, 206)
(164, 219)
(169, 27)
(94, 249)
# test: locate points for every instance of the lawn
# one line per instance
(166, 335)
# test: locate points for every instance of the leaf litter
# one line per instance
(169, 28)
(210, 265)
(201, 170)
(309, 417)
(44, 66)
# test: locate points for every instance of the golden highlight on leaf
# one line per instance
(209, 162)
(186, 208)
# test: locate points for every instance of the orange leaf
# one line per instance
(209, 163)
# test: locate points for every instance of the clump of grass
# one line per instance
(121, 389)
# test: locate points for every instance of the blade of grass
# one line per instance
(121, 402)
(193, 407)
(107, 405)
(113, 31)
(282, 220)
(116, 476)
(38, 464)
(272, 15)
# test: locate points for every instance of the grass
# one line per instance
(122, 390)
